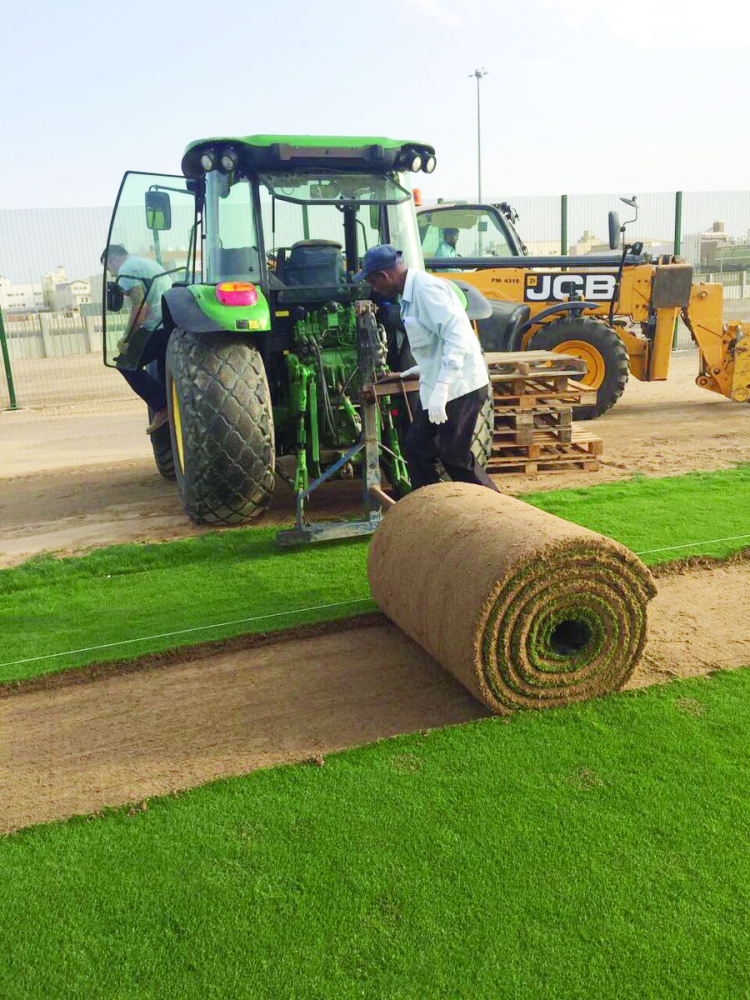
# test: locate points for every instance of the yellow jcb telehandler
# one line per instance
(617, 312)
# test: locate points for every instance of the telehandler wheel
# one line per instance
(222, 429)
(603, 351)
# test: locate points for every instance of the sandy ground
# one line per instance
(79, 748)
(77, 477)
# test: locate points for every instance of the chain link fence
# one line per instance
(51, 279)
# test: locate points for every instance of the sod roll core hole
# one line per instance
(524, 609)
(569, 637)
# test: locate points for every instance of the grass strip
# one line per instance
(662, 517)
(51, 606)
(595, 851)
(125, 592)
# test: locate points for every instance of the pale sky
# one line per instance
(580, 96)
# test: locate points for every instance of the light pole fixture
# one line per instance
(479, 73)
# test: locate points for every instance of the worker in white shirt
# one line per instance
(453, 380)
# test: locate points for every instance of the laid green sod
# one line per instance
(129, 591)
(50, 606)
(597, 852)
(651, 516)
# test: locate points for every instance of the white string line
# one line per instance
(184, 631)
(296, 611)
(690, 545)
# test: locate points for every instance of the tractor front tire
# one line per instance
(601, 348)
(221, 422)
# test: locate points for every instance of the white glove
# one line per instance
(409, 373)
(436, 405)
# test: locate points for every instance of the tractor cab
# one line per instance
(247, 266)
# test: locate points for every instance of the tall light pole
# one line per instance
(479, 73)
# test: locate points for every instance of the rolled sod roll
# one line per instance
(525, 609)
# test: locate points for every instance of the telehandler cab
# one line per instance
(259, 241)
(618, 313)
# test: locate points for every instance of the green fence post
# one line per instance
(677, 249)
(564, 225)
(6, 363)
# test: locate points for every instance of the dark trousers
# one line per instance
(149, 385)
(429, 445)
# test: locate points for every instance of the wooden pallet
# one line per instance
(546, 454)
(532, 467)
(533, 395)
(543, 375)
(522, 426)
(533, 363)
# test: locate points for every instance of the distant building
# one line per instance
(716, 250)
(20, 298)
(62, 295)
(543, 248)
(588, 243)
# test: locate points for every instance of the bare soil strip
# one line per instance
(124, 738)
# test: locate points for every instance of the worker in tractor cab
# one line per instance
(447, 247)
(143, 283)
(453, 380)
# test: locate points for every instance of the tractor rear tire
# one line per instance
(161, 440)
(221, 423)
(481, 443)
(603, 351)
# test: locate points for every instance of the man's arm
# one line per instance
(138, 308)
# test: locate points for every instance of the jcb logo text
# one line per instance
(560, 287)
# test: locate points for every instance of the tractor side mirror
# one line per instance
(158, 211)
(613, 220)
(115, 297)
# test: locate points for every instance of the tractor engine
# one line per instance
(320, 418)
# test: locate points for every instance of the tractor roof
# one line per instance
(290, 151)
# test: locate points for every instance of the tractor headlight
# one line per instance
(429, 164)
(207, 161)
(228, 160)
(416, 163)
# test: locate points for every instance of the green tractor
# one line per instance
(256, 247)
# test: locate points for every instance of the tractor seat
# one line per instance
(314, 262)
(497, 332)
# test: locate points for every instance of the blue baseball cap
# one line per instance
(379, 258)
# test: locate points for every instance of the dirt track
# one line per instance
(79, 477)
(76, 749)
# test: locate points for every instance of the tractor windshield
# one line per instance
(298, 206)
(339, 188)
(314, 205)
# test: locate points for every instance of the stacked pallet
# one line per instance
(534, 393)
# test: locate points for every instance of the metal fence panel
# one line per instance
(55, 353)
